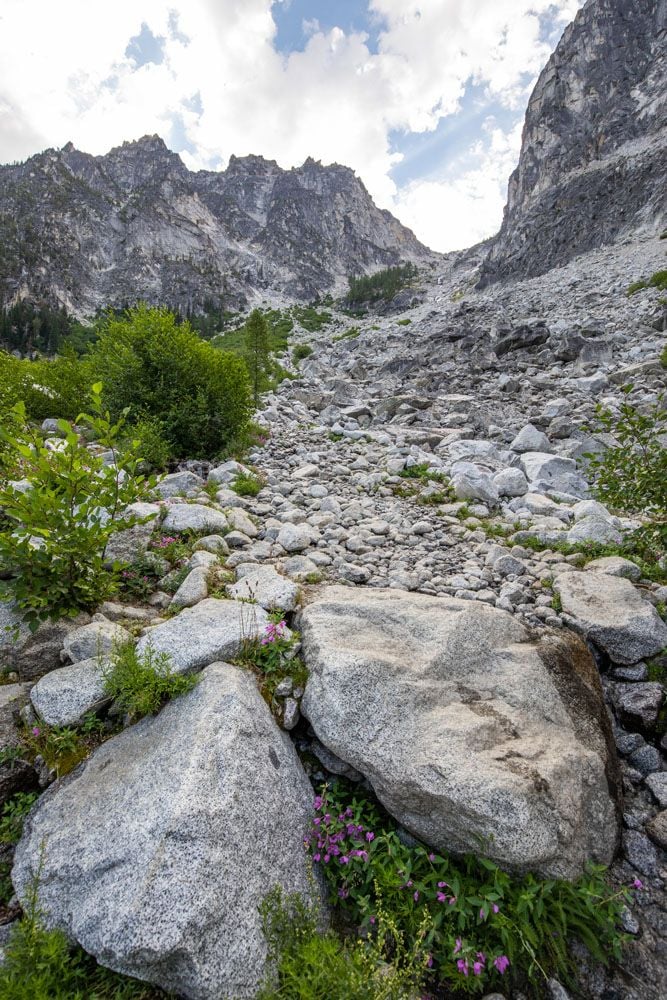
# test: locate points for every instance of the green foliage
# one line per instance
(424, 473)
(40, 965)
(48, 388)
(247, 484)
(311, 964)
(469, 905)
(141, 684)
(349, 334)
(301, 351)
(631, 475)
(383, 285)
(657, 280)
(272, 654)
(139, 579)
(663, 357)
(54, 534)
(14, 813)
(403, 322)
(310, 319)
(256, 352)
(64, 747)
(151, 443)
(164, 371)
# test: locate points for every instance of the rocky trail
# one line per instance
(484, 683)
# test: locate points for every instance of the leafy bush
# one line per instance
(301, 351)
(631, 475)
(54, 535)
(481, 922)
(141, 684)
(151, 443)
(383, 285)
(247, 484)
(14, 813)
(57, 388)
(311, 964)
(164, 371)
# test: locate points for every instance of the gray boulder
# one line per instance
(194, 517)
(212, 630)
(95, 639)
(510, 483)
(160, 848)
(180, 484)
(297, 537)
(469, 730)
(64, 696)
(125, 546)
(193, 589)
(472, 483)
(530, 439)
(615, 566)
(612, 614)
(551, 472)
(262, 584)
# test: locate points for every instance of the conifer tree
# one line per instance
(256, 351)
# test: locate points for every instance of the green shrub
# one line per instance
(247, 484)
(54, 534)
(64, 747)
(311, 964)
(141, 684)
(301, 351)
(631, 475)
(522, 927)
(40, 965)
(403, 322)
(256, 352)
(657, 280)
(14, 813)
(663, 357)
(310, 319)
(57, 388)
(200, 395)
(151, 444)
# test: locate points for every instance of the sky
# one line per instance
(423, 99)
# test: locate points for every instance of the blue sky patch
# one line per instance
(145, 47)
(349, 15)
(427, 154)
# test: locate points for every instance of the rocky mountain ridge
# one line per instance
(591, 168)
(95, 231)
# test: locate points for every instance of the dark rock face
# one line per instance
(88, 231)
(594, 142)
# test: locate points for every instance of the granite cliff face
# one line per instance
(88, 231)
(592, 164)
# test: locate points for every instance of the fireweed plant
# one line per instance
(484, 927)
(273, 654)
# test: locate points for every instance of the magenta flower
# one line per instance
(443, 885)
(36, 730)
(415, 896)
(429, 961)
(452, 900)
(459, 945)
(501, 962)
(344, 860)
(441, 897)
(462, 966)
(637, 884)
(431, 858)
(372, 919)
(477, 968)
(495, 908)
(370, 836)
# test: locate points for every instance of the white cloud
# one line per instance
(64, 75)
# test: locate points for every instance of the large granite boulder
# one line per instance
(610, 612)
(64, 696)
(471, 730)
(160, 848)
(211, 630)
(32, 655)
